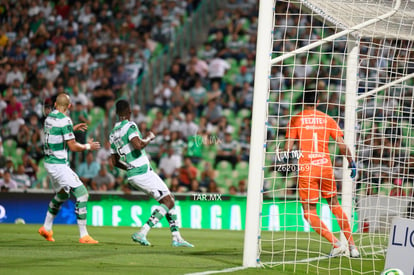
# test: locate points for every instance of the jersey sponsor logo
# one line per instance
(316, 155)
(319, 161)
(313, 120)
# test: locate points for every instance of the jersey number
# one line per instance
(315, 142)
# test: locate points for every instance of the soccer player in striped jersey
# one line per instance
(313, 129)
(59, 136)
(127, 149)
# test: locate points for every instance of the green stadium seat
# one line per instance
(229, 115)
(242, 169)
(224, 166)
(244, 113)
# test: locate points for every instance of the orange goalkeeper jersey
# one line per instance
(313, 128)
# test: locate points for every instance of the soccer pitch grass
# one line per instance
(24, 251)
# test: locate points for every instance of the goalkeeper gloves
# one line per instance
(353, 167)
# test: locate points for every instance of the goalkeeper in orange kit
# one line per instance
(312, 129)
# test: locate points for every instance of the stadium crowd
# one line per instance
(97, 50)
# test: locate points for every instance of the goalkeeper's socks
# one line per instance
(319, 226)
(156, 216)
(343, 223)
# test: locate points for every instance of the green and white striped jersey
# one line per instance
(120, 137)
(58, 129)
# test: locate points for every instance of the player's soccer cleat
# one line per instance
(353, 252)
(87, 239)
(48, 235)
(338, 251)
(141, 239)
(181, 243)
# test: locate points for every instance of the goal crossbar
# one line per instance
(383, 87)
(337, 35)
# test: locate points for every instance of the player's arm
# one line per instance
(289, 144)
(139, 143)
(346, 152)
(117, 162)
(75, 146)
(344, 149)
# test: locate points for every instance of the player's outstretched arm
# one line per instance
(140, 144)
(75, 146)
(346, 152)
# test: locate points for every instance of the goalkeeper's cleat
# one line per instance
(48, 235)
(87, 239)
(140, 238)
(338, 251)
(353, 252)
(181, 243)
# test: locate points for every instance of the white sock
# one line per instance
(176, 235)
(144, 229)
(49, 221)
(82, 228)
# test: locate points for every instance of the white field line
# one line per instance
(227, 270)
(237, 268)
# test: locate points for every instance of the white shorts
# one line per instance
(62, 177)
(151, 184)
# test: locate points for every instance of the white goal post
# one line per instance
(364, 24)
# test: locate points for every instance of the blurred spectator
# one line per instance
(23, 136)
(169, 164)
(7, 183)
(13, 126)
(212, 187)
(103, 181)
(188, 127)
(228, 100)
(195, 186)
(177, 144)
(175, 186)
(30, 167)
(199, 66)
(207, 175)
(217, 69)
(213, 112)
(35, 146)
(242, 190)
(245, 96)
(88, 169)
(137, 116)
(14, 108)
(227, 150)
(104, 153)
(246, 77)
(233, 190)
(397, 189)
(187, 173)
(207, 53)
(21, 178)
(198, 96)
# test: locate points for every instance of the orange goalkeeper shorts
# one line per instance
(315, 178)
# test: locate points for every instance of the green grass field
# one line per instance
(23, 251)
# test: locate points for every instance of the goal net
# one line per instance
(359, 56)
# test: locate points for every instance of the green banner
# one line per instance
(207, 212)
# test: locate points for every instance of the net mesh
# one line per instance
(384, 147)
